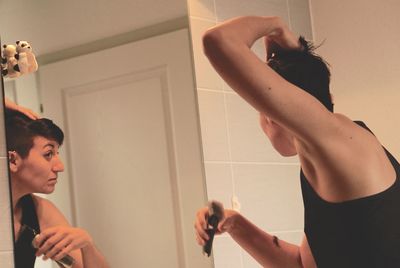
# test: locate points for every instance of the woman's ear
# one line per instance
(14, 161)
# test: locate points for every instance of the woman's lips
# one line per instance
(53, 181)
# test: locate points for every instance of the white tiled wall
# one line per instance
(239, 159)
(6, 243)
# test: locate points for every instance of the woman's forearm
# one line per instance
(268, 250)
(245, 30)
(92, 258)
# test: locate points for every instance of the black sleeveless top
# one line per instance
(23, 250)
(364, 232)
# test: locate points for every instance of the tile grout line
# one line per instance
(288, 12)
(217, 90)
(202, 19)
(230, 162)
(311, 20)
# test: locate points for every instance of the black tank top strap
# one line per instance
(363, 125)
(29, 215)
(392, 160)
(24, 252)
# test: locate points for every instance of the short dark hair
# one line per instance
(21, 130)
(304, 69)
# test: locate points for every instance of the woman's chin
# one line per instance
(286, 151)
(48, 189)
(287, 154)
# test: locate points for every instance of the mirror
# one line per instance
(117, 77)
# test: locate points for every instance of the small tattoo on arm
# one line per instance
(275, 240)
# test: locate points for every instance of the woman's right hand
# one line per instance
(56, 242)
(226, 224)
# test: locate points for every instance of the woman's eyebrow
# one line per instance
(49, 144)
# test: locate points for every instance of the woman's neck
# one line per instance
(17, 192)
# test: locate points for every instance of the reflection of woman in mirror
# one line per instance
(34, 166)
(350, 184)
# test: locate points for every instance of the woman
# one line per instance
(350, 184)
(34, 165)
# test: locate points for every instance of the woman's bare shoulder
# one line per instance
(48, 213)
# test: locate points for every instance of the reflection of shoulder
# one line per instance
(43, 204)
(48, 214)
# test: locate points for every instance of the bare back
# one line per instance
(351, 164)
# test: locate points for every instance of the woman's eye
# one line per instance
(49, 155)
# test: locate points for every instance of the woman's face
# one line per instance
(38, 172)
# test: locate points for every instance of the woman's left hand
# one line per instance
(281, 39)
(56, 242)
(13, 106)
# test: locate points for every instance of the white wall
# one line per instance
(238, 158)
(362, 46)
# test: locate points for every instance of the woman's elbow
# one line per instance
(212, 40)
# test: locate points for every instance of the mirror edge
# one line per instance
(6, 223)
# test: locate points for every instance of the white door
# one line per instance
(132, 149)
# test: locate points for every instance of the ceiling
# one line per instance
(53, 25)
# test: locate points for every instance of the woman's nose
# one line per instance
(58, 165)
